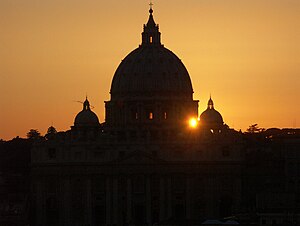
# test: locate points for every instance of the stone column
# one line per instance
(237, 191)
(169, 198)
(188, 197)
(148, 201)
(148, 137)
(88, 219)
(162, 207)
(139, 111)
(39, 203)
(115, 201)
(158, 113)
(66, 202)
(129, 201)
(143, 113)
(211, 206)
(108, 201)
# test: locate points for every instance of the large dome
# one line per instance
(151, 71)
(151, 88)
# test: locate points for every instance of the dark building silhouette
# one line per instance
(15, 182)
(146, 166)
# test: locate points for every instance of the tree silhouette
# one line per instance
(50, 133)
(33, 134)
(255, 129)
(51, 130)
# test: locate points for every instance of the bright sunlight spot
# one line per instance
(193, 122)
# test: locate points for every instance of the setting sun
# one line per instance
(193, 123)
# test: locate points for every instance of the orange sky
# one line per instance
(246, 53)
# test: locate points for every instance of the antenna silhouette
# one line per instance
(151, 4)
(78, 101)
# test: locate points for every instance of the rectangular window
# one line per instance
(133, 135)
(165, 115)
(226, 152)
(150, 115)
(51, 153)
(98, 154)
(77, 155)
(121, 154)
(139, 184)
(151, 39)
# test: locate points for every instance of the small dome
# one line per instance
(210, 116)
(86, 117)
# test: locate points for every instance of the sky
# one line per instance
(245, 53)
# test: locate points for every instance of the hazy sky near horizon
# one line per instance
(246, 53)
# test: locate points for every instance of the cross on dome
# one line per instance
(150, 4)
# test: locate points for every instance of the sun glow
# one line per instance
(193, 122)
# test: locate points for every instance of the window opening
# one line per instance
(150, 115)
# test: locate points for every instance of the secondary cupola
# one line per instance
(211, 119)
(86, 118)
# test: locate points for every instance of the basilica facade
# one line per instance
(144, 164)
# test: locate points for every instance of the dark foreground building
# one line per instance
(146, 165)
